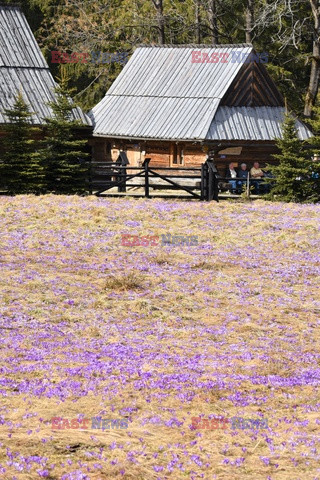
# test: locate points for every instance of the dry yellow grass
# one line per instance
(158, 335)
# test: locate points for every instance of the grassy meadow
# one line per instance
(159, 335)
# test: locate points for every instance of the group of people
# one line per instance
(238, 177)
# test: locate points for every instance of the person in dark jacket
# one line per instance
(243, 174)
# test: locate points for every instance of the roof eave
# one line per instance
(158, 139)
(182, 140)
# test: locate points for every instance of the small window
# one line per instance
(177, 154)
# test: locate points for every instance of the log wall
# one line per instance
(194, 154)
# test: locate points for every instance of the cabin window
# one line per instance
(177, 155)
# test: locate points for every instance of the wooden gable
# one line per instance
(253, 87)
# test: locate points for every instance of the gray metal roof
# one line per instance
(169, 72)
(178, 118)
(23, 68)
(161, 94)
(251, 123)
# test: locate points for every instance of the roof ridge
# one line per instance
(194, 45)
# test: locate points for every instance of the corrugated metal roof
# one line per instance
(18, 47)
(155, 117)
(169, 72)
(160, 93)
(37, 88)
(23, 68)
(251, 123)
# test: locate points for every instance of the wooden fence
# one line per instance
(200, 183)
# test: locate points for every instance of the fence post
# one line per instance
(210, 184)
(123, 176)
(215, 186)
(90, 178)
(146, 176)
(212, 193)
(204, 173)
(248, 185)
(119, 178)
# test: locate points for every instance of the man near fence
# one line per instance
(122, 161)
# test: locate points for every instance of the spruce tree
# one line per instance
(291, 180)
(66, 162)
(315, 151)
(21, 169)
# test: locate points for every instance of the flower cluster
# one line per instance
(158, 337)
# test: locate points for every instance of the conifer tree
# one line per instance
(65, 160)
(315, 150)
(21, 168)
(292, 180)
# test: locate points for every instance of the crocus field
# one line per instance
(159, 335)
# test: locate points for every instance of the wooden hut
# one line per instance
(174, 103)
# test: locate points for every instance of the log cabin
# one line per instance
(174, 104)
(24, 69)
